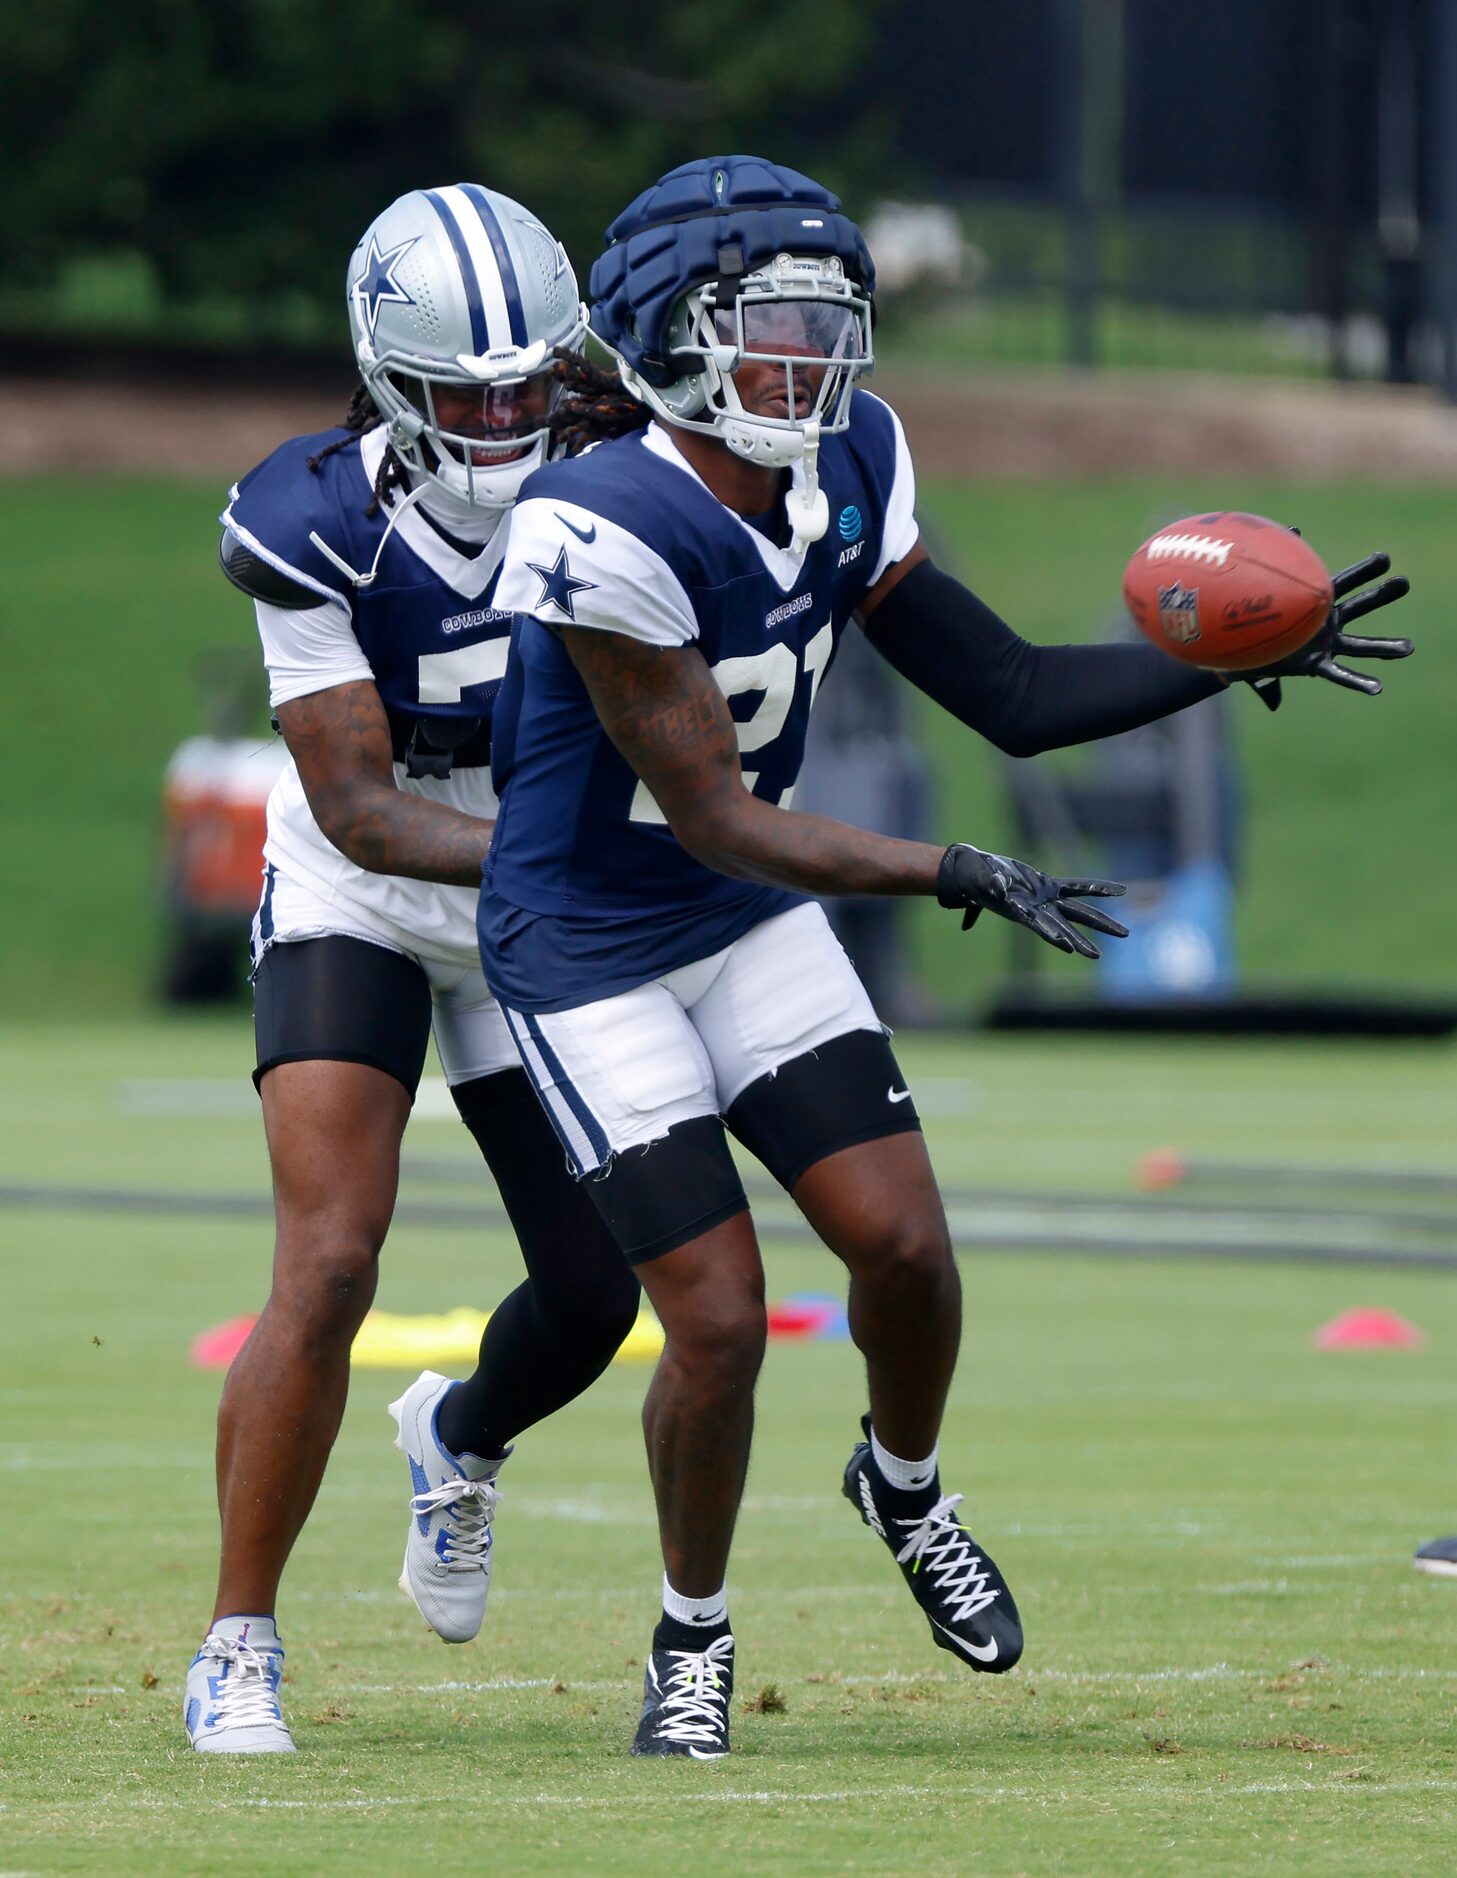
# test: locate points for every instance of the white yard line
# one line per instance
(642, 1799)
(1214, 1672)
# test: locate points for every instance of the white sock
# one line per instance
(904, 1474)
(247, 1627)
(700, 1612)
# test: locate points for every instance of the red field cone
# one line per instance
(1161, 1167)
(1368, 1328)
(216, 1348)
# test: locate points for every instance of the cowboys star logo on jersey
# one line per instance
(377, 283)
(559, 584)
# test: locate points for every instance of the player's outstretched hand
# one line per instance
(1318, 658)
(995, 883)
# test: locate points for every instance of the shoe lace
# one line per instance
(248, 1694)
(469, 1507)
(942, 1544)
(695, 1693)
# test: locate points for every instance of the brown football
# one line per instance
(1228, 591)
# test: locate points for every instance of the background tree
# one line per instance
(231, 154)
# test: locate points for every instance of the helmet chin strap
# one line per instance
(423, 488)
(807, 507)
(352, 575)
(769, 446)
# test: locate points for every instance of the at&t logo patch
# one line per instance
(850, 524)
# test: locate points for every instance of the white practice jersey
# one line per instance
(423, 631)
(413, 915)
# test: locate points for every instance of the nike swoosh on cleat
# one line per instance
(420, 1480)
(582, 534)
(867, 1501)
(897, 1095)
(984, 1653)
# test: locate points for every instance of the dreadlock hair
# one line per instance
(362, 415)
(592, 405)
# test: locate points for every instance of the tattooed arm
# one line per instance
(340, 739)
(665, 713)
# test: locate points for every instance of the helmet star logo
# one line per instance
(377, 283)
(559, 585)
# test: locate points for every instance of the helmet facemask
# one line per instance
(476, 438)
(801, 317)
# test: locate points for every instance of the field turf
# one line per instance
(1231, 1665)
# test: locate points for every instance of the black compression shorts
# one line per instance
(659, 1197)
(343, 1000)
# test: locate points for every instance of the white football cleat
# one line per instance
(448, 1553)
(231, 1703)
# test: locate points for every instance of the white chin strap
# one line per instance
(767, 444)
(771, 447)
(774, 448)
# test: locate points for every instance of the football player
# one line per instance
(645, 921)
(371, 554)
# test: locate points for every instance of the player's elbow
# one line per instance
(349, 820)
(1006, 718)
(715, 833)
(352, 839)
(1007, 714)
(1019, 743)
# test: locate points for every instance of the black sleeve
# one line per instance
(1025, 698)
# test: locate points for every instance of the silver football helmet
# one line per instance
(457, 298)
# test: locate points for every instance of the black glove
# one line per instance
(973, 880)
(1318, 658)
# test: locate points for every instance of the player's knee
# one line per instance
(915, 1252)
(601, 1308)
(325, 1277)
(348, 1289)
(721, 1344)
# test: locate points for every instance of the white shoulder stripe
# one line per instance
(611, 577)
(899, 532)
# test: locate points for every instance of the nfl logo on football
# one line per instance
(1179, 612)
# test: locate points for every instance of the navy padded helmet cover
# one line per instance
(668, 240)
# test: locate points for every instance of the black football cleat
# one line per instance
(966, 1600)
(686, 1695)
(1439, 1558)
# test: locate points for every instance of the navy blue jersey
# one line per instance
(435, 642)
(588, 891)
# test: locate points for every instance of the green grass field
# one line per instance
(1231, 1664)
(1021, 328)
(1343, 794)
